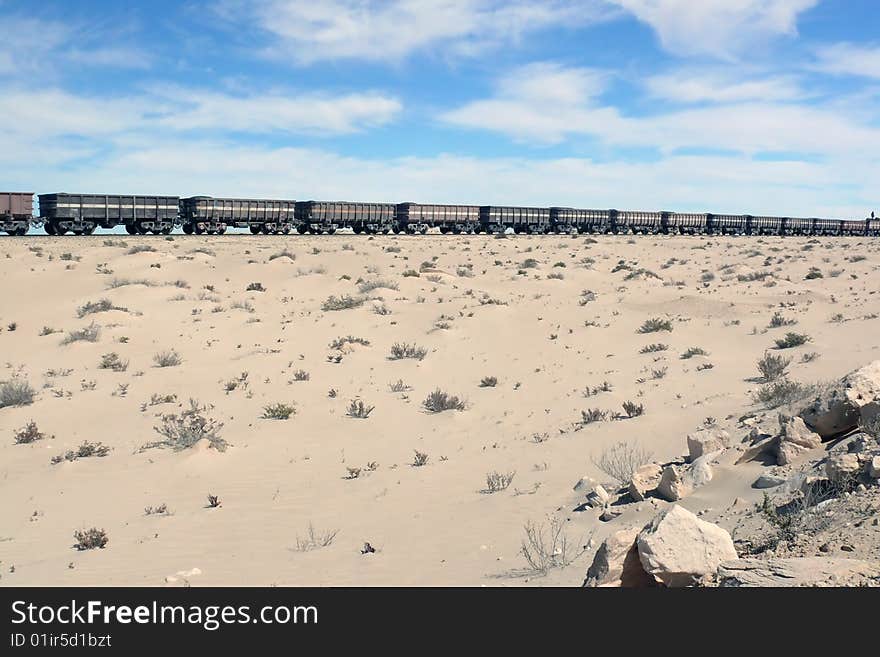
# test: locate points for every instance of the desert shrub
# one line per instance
(401, 350)
(278, 411)
(141, 248)
(84, 451)
(653, 348)
(113, 362)
(779, 320)
(358, 409)
(283, 253)
(89, 333)
(632, 409)
(593, 415)
(547, 547)
(411, 273)
(314, 539)
(439, 401)
(489, 382)
(781, 393)
(301, 375)
(28, 434)
(101, 306)
(813, 274)
(214, 501)
(183, 430)
(659, 373)
(622, 459)
(169, 358)
(16, 392)
(529, 263)
(340, 342)
(498, 481)
(419, 459)
(753, 276)
(655, 325)
(399, 386)
(694, 351)
(368, 286)
(773, 367)
(90, 539)
(345, 302)
(255, 287)
(792, 340)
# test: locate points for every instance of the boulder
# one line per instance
(678, 549)
(843, 405)
(765, 445)
(798, 571)
(768, 481)
(678, 481)
(644, 480)
(795, 439)
(585, 483)
(706, 441)
(598, 497)
(874, 467)
(617, 563)
(841, 467)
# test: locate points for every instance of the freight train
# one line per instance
(81, 214)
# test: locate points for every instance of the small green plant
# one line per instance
(86, 450)
(498, 481)
(183, 430)
(592, 415)
(345, 302)
(419, 459)
(772, 367)
(694, 351)
(358, 409)
(403, 350)
(113, 362)
(16, 392)
(632, 409)
(488, 382)
(90, 539)
(655, 325)
(101, 306)
(278, 411)
(653, 348)
(169, 358)
(792, 340)
(28, 434)
(439, 401)
(89, 333)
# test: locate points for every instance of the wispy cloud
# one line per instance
(720, 28)
(306, 31)
(849, 59)
(722, 86)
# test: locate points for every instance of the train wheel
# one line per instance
(254, 228)
(20, 231)
(49, 227)
(187, 229)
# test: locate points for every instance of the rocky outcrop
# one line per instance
(795, 438)
(644, 480)
(843, 406)
(617, 562)
(800, 571)
(679, 549)
(840, 468)
(706, 441)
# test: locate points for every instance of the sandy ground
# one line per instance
(479, 309)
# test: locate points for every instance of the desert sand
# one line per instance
(551, 318)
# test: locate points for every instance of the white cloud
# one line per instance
(849, 59)
(389, 30)
(748, 127)
(55, 112)
(722, 87)
(721, 28)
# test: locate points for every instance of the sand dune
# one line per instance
(548, 317)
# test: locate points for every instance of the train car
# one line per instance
(872, 227)
(685, 223)
(854, 227)
(82, 213)
(797, 226)
(570, 220)
(763, 225)
(16, 212)
(328, 216)
(418, 218)
(639, 222)
(205, 214)
(497, 218)
(827, 227)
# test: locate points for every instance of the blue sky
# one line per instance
(761, 106)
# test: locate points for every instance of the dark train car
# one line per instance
(205, 214)
(639, 222)
(763, 225)
(685, 223)
(854, 227)
(727, 224)
(418, 218)
(82, 213)
(16, 212)
(328, 216)
(872, 227)
(497, 218)
(567, 220)
(827, 227)
(797, 226)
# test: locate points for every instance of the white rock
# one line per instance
(841, 407)
(679, 549)
(841, 467)
(706, 441)
(644, 480)
(617, 563)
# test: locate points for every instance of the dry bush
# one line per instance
(439, 401)
(28, 434)
(183, 430)
(488, 382)
(358, 409)
(314, 540)
(86, 450)
(169, 358)
(89, 333)
(112, 361)
(278, 411)
(345, 302)
(622, 459)
(401, 350)
(419, 459)
(792, 340)
(101, 306)
(632, 409)
(90, 539)
(773, 367)
(655, 325)
(498, 481)
(547, 547)
(16, 392)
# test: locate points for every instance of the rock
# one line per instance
(609, 513)
(706, 441)
(874, 467)
(795, 439)
(842, 406)
(797, 571)
(679, 549)
(585, 483)
(678, 481)
(767, 444)
(768, 481)
(598, 497)
(617, 563)
(644, 480)
(840, 467)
